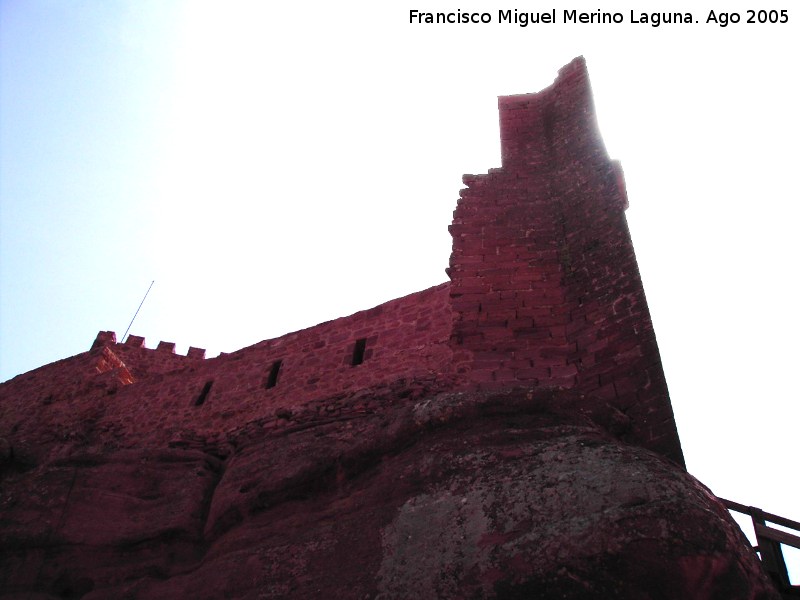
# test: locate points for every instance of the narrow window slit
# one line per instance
(272, 379)
(358, 351)
(204, 393)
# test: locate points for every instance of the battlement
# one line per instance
(108, 338)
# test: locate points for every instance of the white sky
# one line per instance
(274, 167)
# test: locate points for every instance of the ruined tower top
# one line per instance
(534, 126)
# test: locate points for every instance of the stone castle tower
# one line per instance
(505, 434)
(545, 287)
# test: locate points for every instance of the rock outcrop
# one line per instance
(454, 495)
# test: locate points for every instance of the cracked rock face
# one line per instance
(457, 496)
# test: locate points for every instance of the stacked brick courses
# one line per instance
(152, 393)
(545, 287)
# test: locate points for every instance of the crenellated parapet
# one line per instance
(109, 338)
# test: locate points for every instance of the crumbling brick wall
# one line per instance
(545, 287)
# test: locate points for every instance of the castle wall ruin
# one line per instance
(544, 293)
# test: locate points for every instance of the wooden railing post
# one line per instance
(770, 550)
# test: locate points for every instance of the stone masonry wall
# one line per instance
(545, 287)
(544, 293)
(142, 395)
(618, 362)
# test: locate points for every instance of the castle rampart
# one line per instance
(544, 293)
(158, 396)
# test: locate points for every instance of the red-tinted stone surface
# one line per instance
(454, 495)
(545, 287)
(504, 435)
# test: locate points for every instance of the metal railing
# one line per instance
(769, 540)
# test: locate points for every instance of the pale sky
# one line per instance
(275, 167)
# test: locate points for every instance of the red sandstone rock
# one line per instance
(453, 496)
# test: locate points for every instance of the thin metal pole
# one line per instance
(137, 310)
